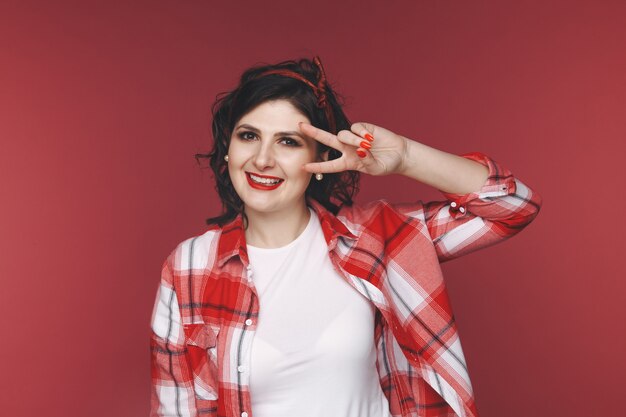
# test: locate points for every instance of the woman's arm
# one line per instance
(172, 391)
(465, 222)
(375, 150)
(444, 171)
(484, 204)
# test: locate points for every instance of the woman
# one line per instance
(295, 302)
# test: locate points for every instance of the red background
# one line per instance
(103, 104)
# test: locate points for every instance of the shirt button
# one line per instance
(244, 414)
(453, 204)
(241, 368)
(462, 209)
(248, 322)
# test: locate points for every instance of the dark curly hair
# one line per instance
(335, 189)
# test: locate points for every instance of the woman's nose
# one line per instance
(264, 157)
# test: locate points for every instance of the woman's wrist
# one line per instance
(415, 160)
(442, 170)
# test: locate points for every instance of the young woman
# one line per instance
(295, 301)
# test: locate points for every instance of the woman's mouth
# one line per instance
(263, 182)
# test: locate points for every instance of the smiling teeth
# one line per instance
(263, 180)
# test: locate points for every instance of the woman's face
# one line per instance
(266, 154)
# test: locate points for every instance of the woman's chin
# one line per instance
(269, 207)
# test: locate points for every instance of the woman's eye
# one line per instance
(247, 135)
(290, 142)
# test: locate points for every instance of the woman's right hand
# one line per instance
(365, 148)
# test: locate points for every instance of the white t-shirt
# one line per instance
(313, 353)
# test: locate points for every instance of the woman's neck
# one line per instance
(274, 230)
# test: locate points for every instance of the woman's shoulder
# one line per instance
(195, 251)
(362, 213)
(382, 218)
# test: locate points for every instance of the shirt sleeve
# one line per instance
(464, 223)
(172, 392)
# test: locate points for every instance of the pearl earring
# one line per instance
(319, 176)
(226, 158)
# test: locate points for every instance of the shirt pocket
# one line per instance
(201, 343)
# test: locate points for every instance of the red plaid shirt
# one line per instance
(206, 310)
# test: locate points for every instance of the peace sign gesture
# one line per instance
(365, 147)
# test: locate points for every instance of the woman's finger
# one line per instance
(320, 135)
(363, 130)
(349, 138)
(335, 165)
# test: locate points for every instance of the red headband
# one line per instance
(319, 89)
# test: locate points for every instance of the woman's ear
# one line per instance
(324, 155)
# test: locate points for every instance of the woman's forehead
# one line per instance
(276, 115)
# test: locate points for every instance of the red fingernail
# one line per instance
(369, 137)
(361, 153)
(366, 145)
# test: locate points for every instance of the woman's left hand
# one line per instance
(383, 155)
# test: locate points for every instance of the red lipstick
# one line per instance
(265, 187)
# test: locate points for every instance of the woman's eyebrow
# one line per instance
(255, 130)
